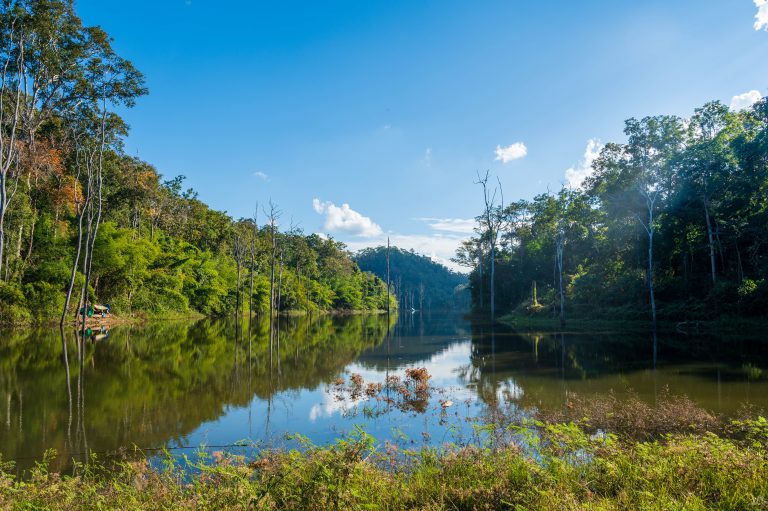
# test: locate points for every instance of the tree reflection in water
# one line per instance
(148, 385)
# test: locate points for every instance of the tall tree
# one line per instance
(490, 223)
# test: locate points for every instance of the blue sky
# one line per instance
(390, 108)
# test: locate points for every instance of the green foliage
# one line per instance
(179, 373)
(570, 470)
(159, 249)
(181, 261)
(416, 280)
(696, 189)
(12, 303)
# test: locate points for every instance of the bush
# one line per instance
(13, 304)
(44, 300)
(561, 467)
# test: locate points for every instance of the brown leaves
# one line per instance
(411, 393)
(634, 417)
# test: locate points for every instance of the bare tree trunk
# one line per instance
(493, 281)
(492, 219)
(237, 249)
(253, 270)
(80, 210)
(711, 243)
(93, 228)
(9, 154)
(273, 216)
(650, 229)
(237, 298)
(272, 275)
(650, 270)
(388, 298)
(86, 255)
(480, 266)
(559, 257)
(280, 288)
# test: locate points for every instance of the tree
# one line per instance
(706, 166)
(490, 223)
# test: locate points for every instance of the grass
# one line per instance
(596, 453)
(563, 466)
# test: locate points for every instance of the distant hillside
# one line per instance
(418, 281)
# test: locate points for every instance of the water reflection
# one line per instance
(157, 383)
(720, 373)
(181, 384)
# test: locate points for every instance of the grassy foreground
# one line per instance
(563, 466)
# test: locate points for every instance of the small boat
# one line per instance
(96, 309)
(102, 310)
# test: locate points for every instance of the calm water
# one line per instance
(214, 383)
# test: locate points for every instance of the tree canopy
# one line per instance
(680, 209)
(417, 280)
(76, 212)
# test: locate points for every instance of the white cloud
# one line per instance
(442, 367)
(345, 219)
(511, 152)
(458, 225)
(575, 176)
(746, 100)
(261, 175)
(428, 157)
(761, 18)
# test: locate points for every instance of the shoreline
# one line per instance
(142, 318)
(717, 326)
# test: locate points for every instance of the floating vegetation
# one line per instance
(408, 394)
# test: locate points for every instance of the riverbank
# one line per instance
(590, 452)
(144, 317)
(563, 466)
(98, 321)
(722, 325)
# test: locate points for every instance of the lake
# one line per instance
(223, 385)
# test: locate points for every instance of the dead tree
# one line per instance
(254, 236)
(273, 215)
(280, 283)
(559, 249)
(238, 252)
(491, 219)
(480, 272)
(388, 286)
(650, 194)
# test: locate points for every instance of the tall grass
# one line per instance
(563, 466)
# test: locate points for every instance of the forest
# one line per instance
(670, 225)
(418, 281)
(82, 221)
